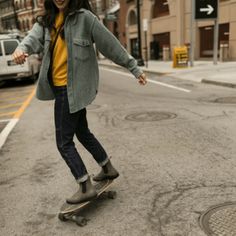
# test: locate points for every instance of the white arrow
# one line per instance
(209, 9)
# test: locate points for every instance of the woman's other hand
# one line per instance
(142, 79)
(19, 57)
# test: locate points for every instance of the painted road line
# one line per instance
(6, 131)
(25, 104)
(169, 86)
(11, 98)
(150, 81)
(9, 127)
(7, 114)
(4, 121)
(10, 105)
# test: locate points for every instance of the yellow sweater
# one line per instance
(59, 66)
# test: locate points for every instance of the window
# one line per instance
(132, 18)
(10, 46)
(160, 8)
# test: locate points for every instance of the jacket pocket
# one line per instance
(81, 48)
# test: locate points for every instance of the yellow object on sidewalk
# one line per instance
(180, 57)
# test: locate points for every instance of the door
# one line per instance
(161, 40)
(207, 39)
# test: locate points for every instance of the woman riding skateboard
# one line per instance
(65, 33)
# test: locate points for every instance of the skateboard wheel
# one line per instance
(81, 221)
(112, 194)
(62, 217)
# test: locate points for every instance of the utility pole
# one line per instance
(140, 58)
(32, 10)
(192, 33)
(216, 39)
(15, 15)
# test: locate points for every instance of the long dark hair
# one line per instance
(47, 20)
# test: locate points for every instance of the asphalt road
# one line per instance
(12, 96)
(174, 149)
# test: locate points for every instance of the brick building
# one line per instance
(27, 11)
(7, 15)
(19, 14)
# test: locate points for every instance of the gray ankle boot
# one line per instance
(107, 172)
(85, 193)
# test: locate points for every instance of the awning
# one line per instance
(114, 9)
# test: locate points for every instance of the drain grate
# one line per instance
(220, 220)
(150, 116)
(227, 100)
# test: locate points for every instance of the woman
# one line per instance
(69, 74)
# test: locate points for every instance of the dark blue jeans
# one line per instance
(69, 124)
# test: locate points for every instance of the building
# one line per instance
(27, 11)
(19, 14)
(169, 26)
(7, 16)
(107, 10)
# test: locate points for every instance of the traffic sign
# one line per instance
(206, 9)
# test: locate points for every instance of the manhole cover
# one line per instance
(150, 116)
(228, 100)
(220, 220)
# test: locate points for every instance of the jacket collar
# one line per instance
(77, 11)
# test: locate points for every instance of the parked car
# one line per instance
(9, 70)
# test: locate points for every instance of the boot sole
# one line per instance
(106, 177)
(85, 200)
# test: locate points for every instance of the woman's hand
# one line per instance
(19, 56)
(142, 79)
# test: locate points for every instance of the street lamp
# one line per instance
(140, 58)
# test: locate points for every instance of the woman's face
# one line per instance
(61, 4)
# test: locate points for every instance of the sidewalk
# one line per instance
(224, 73)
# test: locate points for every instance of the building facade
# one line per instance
(7, 15)
(19, 14)
(27, 11)
(168, 25)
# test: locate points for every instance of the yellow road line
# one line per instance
(16, 91)
(7, 114)
(11, 105)
(6, 98)
(25, 104)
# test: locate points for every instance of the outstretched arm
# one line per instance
(32, 43)
(111, 48)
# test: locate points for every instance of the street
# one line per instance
(173, 142)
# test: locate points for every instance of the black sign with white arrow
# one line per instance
(206, 9)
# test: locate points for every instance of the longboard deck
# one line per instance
(73, 208)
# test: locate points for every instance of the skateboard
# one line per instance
(71, 211)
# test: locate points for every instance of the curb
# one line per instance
(218, 83)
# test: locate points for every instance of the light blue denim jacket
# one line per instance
(82, 29)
